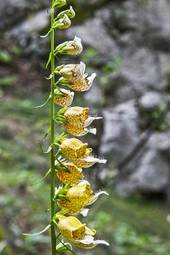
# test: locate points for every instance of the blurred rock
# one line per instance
(134, 96)
(151, 101)
(30, 27)
(120, 133)
(13, 12)
(92, 33)
(160, 142)
(152, 175)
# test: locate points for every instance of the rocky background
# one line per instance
(127, 43)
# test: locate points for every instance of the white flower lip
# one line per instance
(68, 92)
(91, 78)
(92, 159)
(90, 119)
(81, 70)
(89, 240)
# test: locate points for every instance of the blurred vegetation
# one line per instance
(132, 225)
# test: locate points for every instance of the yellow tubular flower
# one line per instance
(63, 97)
(76, 114)
(77, 120)
(78, 152)
(74, 76)
(71, 176)
(73, 149)
(84, 84)
(72, 229)
(77, 197)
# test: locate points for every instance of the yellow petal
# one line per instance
(77, 197)
(90, 232)
(65, 98)
(71, 228)
(72, 176)
(76, 114)
(72, 149)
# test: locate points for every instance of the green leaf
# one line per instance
(5, 57)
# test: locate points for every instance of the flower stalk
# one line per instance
(52, 133)
(69, 156)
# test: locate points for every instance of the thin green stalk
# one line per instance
(52, 134)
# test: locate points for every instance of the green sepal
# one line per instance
(58, 93)
(60, 48)
(60, 137)
(48, 61)
(63, 248)
(60, 115)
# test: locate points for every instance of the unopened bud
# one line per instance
(63, 23)
(59, 3)
(70, 13)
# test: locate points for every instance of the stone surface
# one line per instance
(120, 133)
(151, 101)
(92, 32)
(152, 174)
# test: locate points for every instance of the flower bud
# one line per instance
(70, 47)
(73, 149)
(63, 97)
(70, 13)
(77, 197)
(62, 23)
(59, 3)
(71, 176)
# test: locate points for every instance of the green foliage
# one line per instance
(89, 54)
(7, 81)
(5, 57)
(129, 241)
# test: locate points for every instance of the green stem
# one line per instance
(52, 134)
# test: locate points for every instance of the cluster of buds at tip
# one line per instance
(75, 194)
